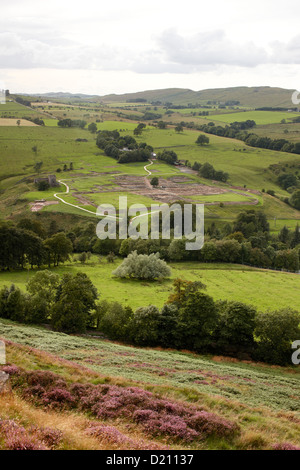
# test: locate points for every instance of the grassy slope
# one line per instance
(248, 96)
(260, 117)
(288, 131)
(57, 147)
(232, 282)
(244, 164)
(263, 400)
(91, 168)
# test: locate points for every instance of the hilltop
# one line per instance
(246, 96)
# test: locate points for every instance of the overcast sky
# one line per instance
(100, 47)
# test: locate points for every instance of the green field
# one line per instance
(225, 197)
(95, 172)
(262, 399)
(224, 281)
(245, 165)
(12, 109)
(288, 131)
(260, 117)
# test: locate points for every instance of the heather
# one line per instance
(16, 437)
(155, 415)
(285, 446)
(94, 411)
(189, 375)
(112, 435)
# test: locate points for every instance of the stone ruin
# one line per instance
(51, 179)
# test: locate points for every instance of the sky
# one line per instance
(99, 47)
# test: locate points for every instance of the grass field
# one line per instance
(260, 117)
(225, 197)
(13, 122)
(15, 110)
(180, 369)
(57, 147)
(262, 400)
(232, 282)
(288, 131)
(245, 165)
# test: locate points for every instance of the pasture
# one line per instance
(16, 122)
(260, 117)
(266, 290)
(93, 173)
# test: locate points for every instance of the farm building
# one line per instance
(51, 179)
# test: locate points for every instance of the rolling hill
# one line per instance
(247, 96)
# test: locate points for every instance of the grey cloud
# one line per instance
(18, 52)
(288, 53)
(211, 48)
(42, 46)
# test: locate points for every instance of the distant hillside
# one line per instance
(250, 96)
(173, 95)
(247, 96)
(253, 97)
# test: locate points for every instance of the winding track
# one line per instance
(255, 202)
(91, 212)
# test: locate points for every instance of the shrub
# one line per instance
(295, 200)
(285, 446)
(275, 332)
(143, 267)
(144, 326)
(211, 424)
(157, 416)
(115, 321)
(160, 424)
(51, 437)
(236, 326)
(17, 438)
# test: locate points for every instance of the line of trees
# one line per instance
(238, 130)
(21, 246)
(168, 156)
(190, 319)
(124, 149)
(72, 123)
(68, 303)
(248, 241)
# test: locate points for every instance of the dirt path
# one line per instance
(69, 203)
(147, 182)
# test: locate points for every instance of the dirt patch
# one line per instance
(13, 122)
(187, 170)
(82, 200)
(169, 190)
(39, 205)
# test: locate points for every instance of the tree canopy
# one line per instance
(143, 267)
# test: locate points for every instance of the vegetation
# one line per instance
(245, 399)
(224, 300)
(143, 267)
